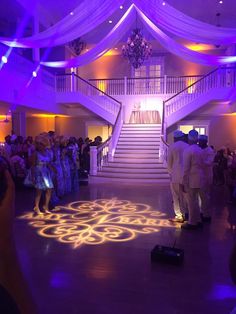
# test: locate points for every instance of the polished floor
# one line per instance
(93, 254)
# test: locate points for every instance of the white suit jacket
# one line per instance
(208, 156)
(193, 167)
(175, 161)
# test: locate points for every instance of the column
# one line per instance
(19, 123)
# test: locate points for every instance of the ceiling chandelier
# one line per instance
(77, 45)
(137, 49)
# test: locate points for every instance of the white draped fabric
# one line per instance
(122, 26)
(86, 17)
(152, 12)
(180, 50)
(178, 23)
(102, 47)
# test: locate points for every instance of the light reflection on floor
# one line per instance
(98, 221)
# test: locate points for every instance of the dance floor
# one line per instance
(92, 254)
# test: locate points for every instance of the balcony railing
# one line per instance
(144, 85)
(75, 83)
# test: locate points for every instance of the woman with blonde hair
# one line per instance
(40, 172)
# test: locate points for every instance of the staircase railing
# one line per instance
(73, 83)
(102, 154)
(218, 78)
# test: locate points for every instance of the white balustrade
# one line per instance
(219, 78)
(131, 86)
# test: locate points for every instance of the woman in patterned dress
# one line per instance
(40, 172)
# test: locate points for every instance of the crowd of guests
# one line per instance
(194, 168)
(49, 163)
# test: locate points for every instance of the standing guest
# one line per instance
(85, 151)
(65, 165)
(15, 295)
(80, 143)
(220, 166)
(193, 180)
(175, 168)
(7, 147)
(208, 156)
(40, 172)
(72, 155)
(59, 179)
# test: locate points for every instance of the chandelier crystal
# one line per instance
(137, 49)
(77, 46)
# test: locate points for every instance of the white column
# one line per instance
(93, 161)
(19, 123)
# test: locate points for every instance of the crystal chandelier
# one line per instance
(77, 45)
(137, 49)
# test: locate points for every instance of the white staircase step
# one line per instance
(134, 125)
(133, 175)
(135, 165)
(138, 140)
(140, 131)
(142, 151)
(132, 146)
(143, 136)
(136, 155)
(137, 170)
(140, 160)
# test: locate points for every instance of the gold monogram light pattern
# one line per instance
(99, 221)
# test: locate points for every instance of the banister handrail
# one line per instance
(87, 82)
(100, 91)
(186, 88)
(170, 101)
(176, 95)
(142, 78)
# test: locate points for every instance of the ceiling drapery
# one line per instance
(102, 47)
(182, 51)
(84, 19)
(152, 12)
(184, 26)
(123, 25)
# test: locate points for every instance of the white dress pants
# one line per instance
(193, 205)
(204, 194)
(178, 199)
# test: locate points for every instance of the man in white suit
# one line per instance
(175, 168)
(208, 156)
(193, 180)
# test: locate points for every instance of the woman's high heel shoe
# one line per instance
(46, 210)
(37, 211)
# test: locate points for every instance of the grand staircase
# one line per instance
(136, 157)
